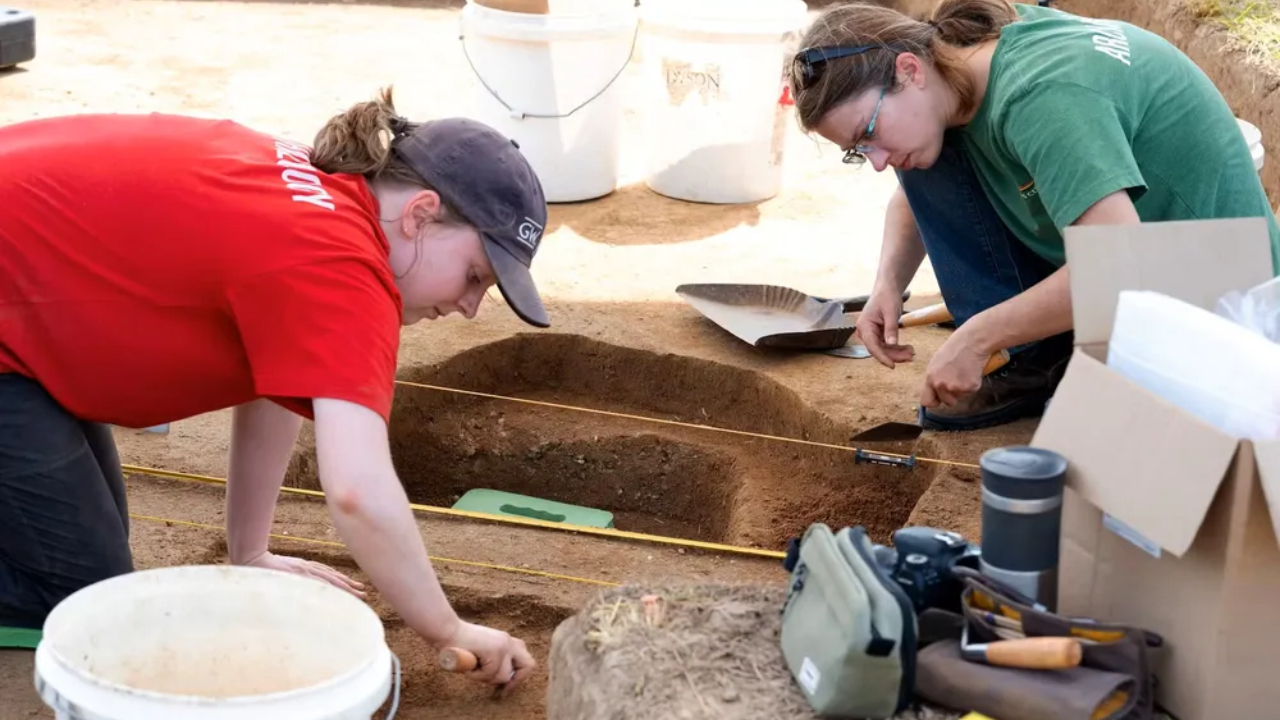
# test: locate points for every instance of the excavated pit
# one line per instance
(427, 692)
(656, 478)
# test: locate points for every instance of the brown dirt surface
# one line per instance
(622, 343)
(1236, 43)
(699, 651)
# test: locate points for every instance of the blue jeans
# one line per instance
(978, 261)
(64, 521)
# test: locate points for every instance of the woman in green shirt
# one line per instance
(1006, 123)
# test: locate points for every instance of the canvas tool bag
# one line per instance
(848, 630)
(1114, 680)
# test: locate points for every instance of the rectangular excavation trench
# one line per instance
(672, 482)
(659, 479)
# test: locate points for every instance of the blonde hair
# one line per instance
(358, 142)
(954, 23)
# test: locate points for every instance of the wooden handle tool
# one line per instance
(461, 660)
(998, 359)
(1034, 653)
(931, 315)
(454, 659)
(939, 313)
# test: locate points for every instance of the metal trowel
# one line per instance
(889, 432)
(857, 352)
(900, 431)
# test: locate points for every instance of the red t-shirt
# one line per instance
(155, 267)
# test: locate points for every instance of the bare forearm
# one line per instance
(263, 437)
(902, 251)
(1044, 309)
(380, 531)
(1039, 312)
(371, 513)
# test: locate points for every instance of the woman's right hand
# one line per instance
(877, 326)
(501, 658)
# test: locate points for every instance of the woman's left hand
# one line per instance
(310, 568)
(954, 371)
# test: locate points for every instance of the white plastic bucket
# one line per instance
(551, 83)
(1253, 136)
(211, 642)
(716, 122)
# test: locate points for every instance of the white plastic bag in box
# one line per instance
(1257, 308)
(1224, 373)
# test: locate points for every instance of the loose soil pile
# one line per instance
(710, 651)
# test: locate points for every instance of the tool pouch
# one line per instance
(1114, 680)
(949, 680)
(848, 631)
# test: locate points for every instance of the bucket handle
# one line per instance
(520, 115)
(395, 697)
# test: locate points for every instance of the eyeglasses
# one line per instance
(808, 63)
(857, 154)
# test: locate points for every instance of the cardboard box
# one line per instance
(1167, 522)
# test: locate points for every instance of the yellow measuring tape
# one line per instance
(604, 532)
(563, 527)
(446, 561)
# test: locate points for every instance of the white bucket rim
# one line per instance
(86, 595)
(493, 22)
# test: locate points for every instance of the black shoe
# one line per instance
(1021, 389)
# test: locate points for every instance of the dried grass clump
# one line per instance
(693, 652)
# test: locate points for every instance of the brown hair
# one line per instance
(358, 142)
(954, 24)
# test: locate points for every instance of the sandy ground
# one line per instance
(622, 341)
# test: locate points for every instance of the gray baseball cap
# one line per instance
(483, 174)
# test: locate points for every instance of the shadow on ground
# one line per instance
(635, 215)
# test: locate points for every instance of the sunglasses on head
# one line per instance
(808, 63)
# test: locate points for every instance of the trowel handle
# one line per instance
(997, 360)
(931, 315)
(456, 659)
(857, 303)
(1033, 653)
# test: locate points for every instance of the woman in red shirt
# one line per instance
(154, 267)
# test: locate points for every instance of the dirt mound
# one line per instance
(714, 652)
(656, 478)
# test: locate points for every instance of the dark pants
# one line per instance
(64, 522)
(978, 261)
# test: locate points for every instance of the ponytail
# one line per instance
(963, 23)
(358, 142)
(953, 24)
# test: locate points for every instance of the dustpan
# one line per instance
(774, 316)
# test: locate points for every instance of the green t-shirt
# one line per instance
(1078, 108)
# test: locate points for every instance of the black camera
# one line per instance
(921, 560)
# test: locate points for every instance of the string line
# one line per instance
(443, 560)
(470, 514)
(678, 423)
